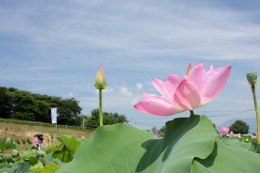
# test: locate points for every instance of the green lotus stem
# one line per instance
(63, 156)
(256, 112)
(252, 80)
(69, 156)
(100, 108)
(191, 113)
(100, 84)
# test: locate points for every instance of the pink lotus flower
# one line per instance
(231, 134)
(223, 131)
(180, 93)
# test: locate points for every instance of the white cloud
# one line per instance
(160, 32)
(108, 90)
(52, 49)
(139, 86)
(125, 91)
(70, 94)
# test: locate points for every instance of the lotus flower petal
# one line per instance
(231, 133)
(214, 83)
(209, 70)
(187, 95)
(158, 105)
(167, 87)
(197, 75)
(147, 95)
(180, 93)
(223, 130)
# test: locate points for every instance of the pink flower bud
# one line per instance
(100, 82)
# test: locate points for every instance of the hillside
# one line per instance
(23, 133)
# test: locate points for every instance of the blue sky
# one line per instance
(55, 48)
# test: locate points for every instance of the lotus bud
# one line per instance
(252, 78)
(100, 82)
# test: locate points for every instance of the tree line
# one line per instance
(24, 105)
(92, 122)
(238, 127)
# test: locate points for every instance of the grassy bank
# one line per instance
(23, 131)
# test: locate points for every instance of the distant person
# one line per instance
(35, 143)
(40, 144)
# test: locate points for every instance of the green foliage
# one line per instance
(5, 103)
(98, 154)
(24, 105)
(159, 133)
(228, 158)
(67, 148)
(190, 145)
(8, 169)
(127, 149)
(47, 169)
(69, 112)
(239, 127)
(23, 167)
(7, 143)
(244, 142)
(92, 122)
(32, 161)
(33, 123)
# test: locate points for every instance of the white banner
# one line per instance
(54, 115)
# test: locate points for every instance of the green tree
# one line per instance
(239, 127)
(154, 130)
(69, 112)
(5, 103)
(159, 133)
(92, 121)
(19, 104)
(24, 106)
(162, 131)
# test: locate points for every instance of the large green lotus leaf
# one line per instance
(9, 170)
(70, 142)
(47, 169)
(234, 141)
(185, 139)
(112, 148)
(24, 168)
(228, 159)
(124, 149)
